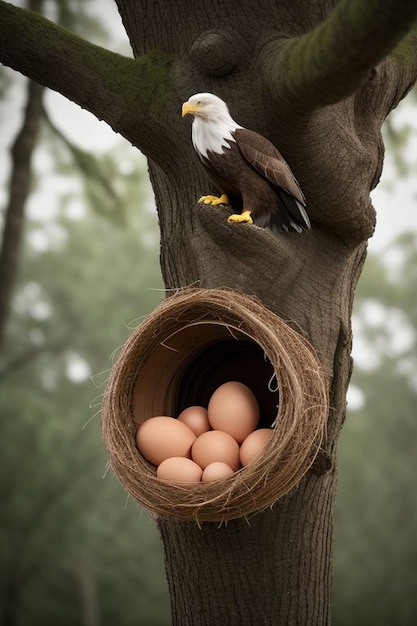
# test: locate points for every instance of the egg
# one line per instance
(253, 444)
(178, 469)
(215, 445)
(234, 409)
(161, 437)
(216, 470)
(196, 418)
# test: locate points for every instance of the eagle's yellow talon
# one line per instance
(244, 218)
(205, 199)
(214, 200)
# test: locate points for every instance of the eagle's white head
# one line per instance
(212, 125)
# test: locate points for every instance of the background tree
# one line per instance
(336, 154)
(19, 190)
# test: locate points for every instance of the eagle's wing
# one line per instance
(262, 155)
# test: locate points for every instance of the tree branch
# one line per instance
(330, 63)
(404, 61)
(114, 88)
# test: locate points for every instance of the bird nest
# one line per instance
(189, 345)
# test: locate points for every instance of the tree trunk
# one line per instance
(274, 568)
(314, 79)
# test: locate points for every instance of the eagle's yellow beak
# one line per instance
(189, 108)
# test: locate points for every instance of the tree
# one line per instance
(323, 77)
(19, 189)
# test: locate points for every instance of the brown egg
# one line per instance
(178, 469)
(196, 418)
(253, 444)
(234, 409)
(215, 445)
(161, 437)
(216, 470)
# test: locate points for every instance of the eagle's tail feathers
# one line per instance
(304, 215)
(289, 215)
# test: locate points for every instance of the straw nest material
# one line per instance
(195, 331)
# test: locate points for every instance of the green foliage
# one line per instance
(376, 555)
(75, 301)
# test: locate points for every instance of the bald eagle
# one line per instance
(248, 170)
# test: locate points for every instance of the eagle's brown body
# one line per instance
(245, 167)
(267, 188)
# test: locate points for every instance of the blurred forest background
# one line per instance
(74, 549)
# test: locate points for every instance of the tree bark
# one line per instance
(333, 61)
(272, 569)
(276, 65)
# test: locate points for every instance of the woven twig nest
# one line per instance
(189, 345)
